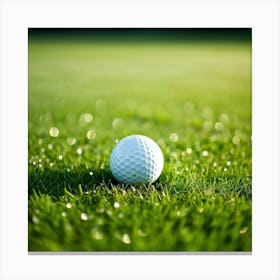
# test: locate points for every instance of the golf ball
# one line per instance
(136, 159)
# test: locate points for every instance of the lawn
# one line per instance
(193, 98)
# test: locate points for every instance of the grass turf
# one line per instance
(193, 99)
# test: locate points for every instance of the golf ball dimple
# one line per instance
(136, 159)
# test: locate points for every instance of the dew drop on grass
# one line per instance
(34, 163)
(235, 140)
(224, 118)
(219, 126)
(63, 214)
(97, 234)
(68, 170)
(126, 239)
(141, 233)
(54, 132)
(100, 210)
(120, 215)
(40, 141)
(228, 163)
(205, 153)
(35, 219)
(85, 119)
(173, 137)
(50, 146)
(60, 157)
(91, 134)
(79, 151)
(51, 164)
(243, 230)
(117, 123)
(68, 205)
(71, 141)
(90, 173)
(116, 204)
(225, 169)
(189, 151)
(84, 216)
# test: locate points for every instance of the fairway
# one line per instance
(192, 97)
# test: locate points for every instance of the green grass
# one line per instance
(193, 99)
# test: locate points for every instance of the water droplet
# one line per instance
(85, 118)
(68, 205)
(243, 230)
(68, 170)
(201, 210)
(84, 216)
(91, 134)
(235, 140)
(225, 169)
(126, 239)
(50, 146)
(60, 157)
(51, 164)
(54, 132)
(34, 163)
(120, 215)
(100, 210)
(63, 214)
(116, 204)
(205, 153)
(173, 137)
(90, 173)
(219, 126)
(228, 163)
(189, 151)
(35, 219)
(40, 141)
(215, 164)
(40, 165)
(142, 233)
(117, 123)
(71, 141)
(79, 151)
(97, 234)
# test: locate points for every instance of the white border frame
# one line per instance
(17, 16)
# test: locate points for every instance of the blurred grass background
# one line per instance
(188, 89)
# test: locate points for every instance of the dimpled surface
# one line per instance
(136, 159)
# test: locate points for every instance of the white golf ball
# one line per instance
(136, 159)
